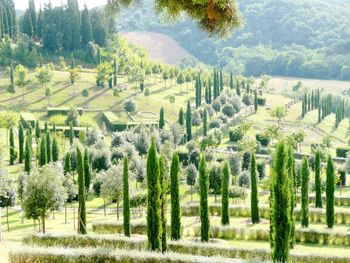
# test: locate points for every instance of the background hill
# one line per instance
(280, 37)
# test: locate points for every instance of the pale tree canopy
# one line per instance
(216, 17)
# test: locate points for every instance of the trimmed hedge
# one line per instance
(192, 248)
(27, 117)
(58, 255)
(114, 124)
(263, 139)
(261, 101)
(315, 214)
(62, 111)
(65, 130)
(338, 200)
(342, 152)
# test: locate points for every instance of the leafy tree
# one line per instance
(215, 180)
(11, 88)
(305, 192)
(82, 227)
(44, 192)
(154, 228)
(279, 113)
(104, 71)
(161, 118)
(225, 212)
(43, 75)
(126, 199)
(175, 198)
(203, 192)
(21, 78)
(280, 224)
(317, 169)
(191, 177)
(172, 101)
(254, 192)
(330, 192)
(246, 160)
(7, 194)
(163, 198)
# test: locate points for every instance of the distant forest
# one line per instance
(305, 38)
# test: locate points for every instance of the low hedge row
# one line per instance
(210, 249)
(338, 200)
(114, 124)
(27, 118)
(62, 111)
(58, 255)
(321, 237)
(315, 214)
(118, 228)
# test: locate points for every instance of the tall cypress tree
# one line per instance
(189, 122)
(305, 193)
(87, 170)
(40, 24)
(71, 133)
(205, 122)
(33, 18)
(175, 198)
(231, 80)
(48, 147)
(27, 156)
(126, 198)
(82, 229)
(163, 198)
(181, 117)
(203, 192)
(55, 150)
(20, 142)
(254, 206)
(238, 88)
(225, 212)
(161, 118)
(37, 130)
(154, 227)
(67, 163)
(256, 100)
(317, 169)
(221, 81)
(43, 151)
(330, 192)
(12, 147)
(280, 224)
(86, 28)
(292, 177)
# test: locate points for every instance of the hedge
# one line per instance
(81, 255)
(261, 101)
(184, 247)
(342, 152)
(315, 214)
(338, 200)
(114, 124)
(263, 139)
(62, 111)
(139, 228)
(27, 117)
(65, 130)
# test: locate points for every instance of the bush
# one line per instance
(261, 101)
(261, 167)
(215, 124)
(263, 139)
(228, 110)
(130, 105)
(85, 93)
(244, 179)
(342, 152)
(62, 111)
(58, 120)
(235, 135)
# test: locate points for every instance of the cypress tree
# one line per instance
(20, 143)
(292, 177)
(27, 156)
(82, 229)
(12, 147)
(48, 147)
(256, 101)
(161, 118)
(87, 170)
(43, 151)
(238, 88)
(11, 88)
(209, 92)
(317, 169)
(203, 192)
(37, 130)
(54, 128)
(225, 212)
(67, 163)
(181, 117)
(221, 81)
(189, 122)
(175, 198)
(205, 122)
(40, 24)
(46, 128)
(231, 80)
(305, 193)
(33, 17)
(86, 28)
(126, 199)
(71, 133)
(163, 198)
(55, 150)
(280, 224)
(154, 228)
(254, 206)
(330, 192)
(115, 70)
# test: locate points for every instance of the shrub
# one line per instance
(342, 152)
(85, 93)
(263, 139)
(215, 124)
(261, 101)
(58, 120)
(130, 105)
(261, 167)
(244, 179)
(235, 135)
(228, 110)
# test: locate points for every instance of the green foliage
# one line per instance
(175, 198)
(20, 143)
(55, 150)
(28, 155)
(330, 185)
(67, 163)
(82, 227)
(189, 121)
(48, 148)
(163, 198)
(205, 122)
(317, 169)
(225, 214)
(87, 170)
(43, 151)
(154, 227)
(254, 192)
(126, 199)
(203, 193)
(12, 147)
(161, 118)
(305, 174)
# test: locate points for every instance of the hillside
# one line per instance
(160, 47)
(290, 38)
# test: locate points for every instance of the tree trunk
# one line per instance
(74, 218)
(191, 194)
(7, 219)
(43, 219)
(117, 210)
(22, 216)
(104, 206)
(65, 213)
